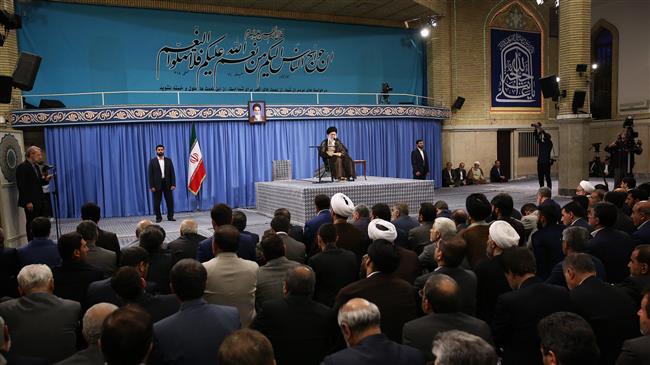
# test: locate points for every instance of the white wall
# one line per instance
(632, 19)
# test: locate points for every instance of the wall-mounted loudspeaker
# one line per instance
(550, 87)
(26, 70)
(458, 103)
(51, 104)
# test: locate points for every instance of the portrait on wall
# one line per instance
(256, 112)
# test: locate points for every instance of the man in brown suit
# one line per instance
(476, 235)
(396, 299)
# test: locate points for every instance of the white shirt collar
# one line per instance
(593, 234)
(642, 224)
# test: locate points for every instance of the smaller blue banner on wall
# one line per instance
(516, 70)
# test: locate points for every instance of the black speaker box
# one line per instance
(50, 104)
(26, 70)
(578, 100)
(458, 103)
(550, 88)
(5, 89)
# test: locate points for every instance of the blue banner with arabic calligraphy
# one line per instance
(516, 69)
(89, 48)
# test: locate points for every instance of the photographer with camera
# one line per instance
(622, 151)
(544, 160)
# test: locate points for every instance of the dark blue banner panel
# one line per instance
(516, 69)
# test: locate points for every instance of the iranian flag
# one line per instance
(196, 169)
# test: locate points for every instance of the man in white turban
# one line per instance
(501, 236)
(349, 237)
(584, 188)
(379, 229)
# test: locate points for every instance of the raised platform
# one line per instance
(298, 195)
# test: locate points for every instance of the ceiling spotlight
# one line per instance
(424, 32)
(557, 79)
(594, 66)
(540, 2)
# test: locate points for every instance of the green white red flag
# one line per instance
(196, 170)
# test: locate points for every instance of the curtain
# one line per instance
(107, 163)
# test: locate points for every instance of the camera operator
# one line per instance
(544, 160)
(622, 151)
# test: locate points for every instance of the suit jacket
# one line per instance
(231, 282)
(495, 174)
(42, 325)
(409, 265)
(39, 251)
(397, 300)
(8, 272)
(635, 352)
(419, 333)
(460, 175)
(611, 314)
(419, 236)
(193, 334)
(71, 279)
(545, 146)
(312, 226)
(418, 163)
(475, 236)
(351, 239)
(490, 284)
(109, 241)
(90, 356)
(301, 330)
(581, 222)
(362, 226)
(642, 235)
(29, 184)
(101, 292)
(547, 247)
(613, 248)
(376, 350)
(158, 306)
(466, 282)
(295, 251)
(160, 265)
(270, 279)
(448, 178)
(185, 247)
(405, 223)
(101, 258)
(624, 223)
(334, 269)
(634, 287)
(246, 250)
(557, 274)
(517, 314)
(154, 174)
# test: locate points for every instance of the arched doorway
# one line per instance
(603, 55)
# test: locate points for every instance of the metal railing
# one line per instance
(315, 97)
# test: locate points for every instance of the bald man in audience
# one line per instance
(138, 229)
(185, 246)
(359, 321)
(441, 301)
(38, 314)
(640, 216)
(442, 228)
(92, 330)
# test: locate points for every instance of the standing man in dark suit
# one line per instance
(130, 286)
(194, 334)
(105, 239)
(637, 351)
(301, 330)
(640, 217)
(359, 320)
(545, 146)
(441, 300)
(639, 278)
(566, 338)
(573, 214)
(72, 278)
(547, 241)
(609, 311)
(322, 203)
(516, 315)
(162, 181)
(30, 181)
(419, 161)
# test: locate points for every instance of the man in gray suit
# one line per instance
(92, 329)
(294, 250)
(270, 277)
(231, 280)
(441, 301)
(101, 258)
(419, 236)
(42, 325)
